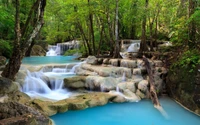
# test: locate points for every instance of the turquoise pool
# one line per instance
(35, 60)
(141, 113)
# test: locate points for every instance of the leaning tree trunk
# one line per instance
(22, 44)
(153, 93)
(15, 61)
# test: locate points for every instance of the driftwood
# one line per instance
(153, 93)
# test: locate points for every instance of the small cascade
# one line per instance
(48, 84)
(61, 48)
(75, 67)
(34, 84)
(53, 50)
(134, 47)
(59, 70)
(124, 77)
(117, 89)
(102, 88)
(56, 84)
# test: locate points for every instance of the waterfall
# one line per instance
(134, 47)
(130, 48)
(61, 48)
(48, 83)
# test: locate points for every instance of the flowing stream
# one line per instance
(48, 82)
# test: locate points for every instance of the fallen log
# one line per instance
(153, 94)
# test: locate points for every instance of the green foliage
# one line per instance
(190, 58)
(5, 48)
(71, 52)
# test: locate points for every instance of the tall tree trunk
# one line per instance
(111, 41)
(192, 26)
(22, 44)
(15, 61)
(116, 54)
(91, 29)
(143, 45)
(85, 38)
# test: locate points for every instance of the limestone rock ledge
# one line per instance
(78, 102)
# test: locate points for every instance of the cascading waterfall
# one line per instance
(60, 48)
(48, 84)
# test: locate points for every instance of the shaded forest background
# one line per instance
(100, 24)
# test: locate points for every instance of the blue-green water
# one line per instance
(141, 113)
(35, 60)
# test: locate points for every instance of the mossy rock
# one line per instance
(7, 86)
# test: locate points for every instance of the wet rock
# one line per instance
(143, 86)
(114, 62)
(45, 106)
(106, 61)
(13, 113)
(128, 63)
(77, 82)
(137, 71)
(119, 99)
(130, 96)
(127, 85)
(7, 86)
(140, 94)
(101, 83)
(91, 60)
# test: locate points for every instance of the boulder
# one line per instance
(2, 60)
(101, 83)
(119, 99)
(143, 85)
(137, 71)
(106, 61)
(91, 60)
(7, 86)
(37, 50)
(127, 85)
(128, 63)
(13, 113)
(114, 62)
(130, 96)
(77, 82)
(137, 78)
(140, 94)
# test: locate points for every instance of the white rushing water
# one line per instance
(60, 48)
(48, 84)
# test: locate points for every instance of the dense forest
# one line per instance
(101, 24)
